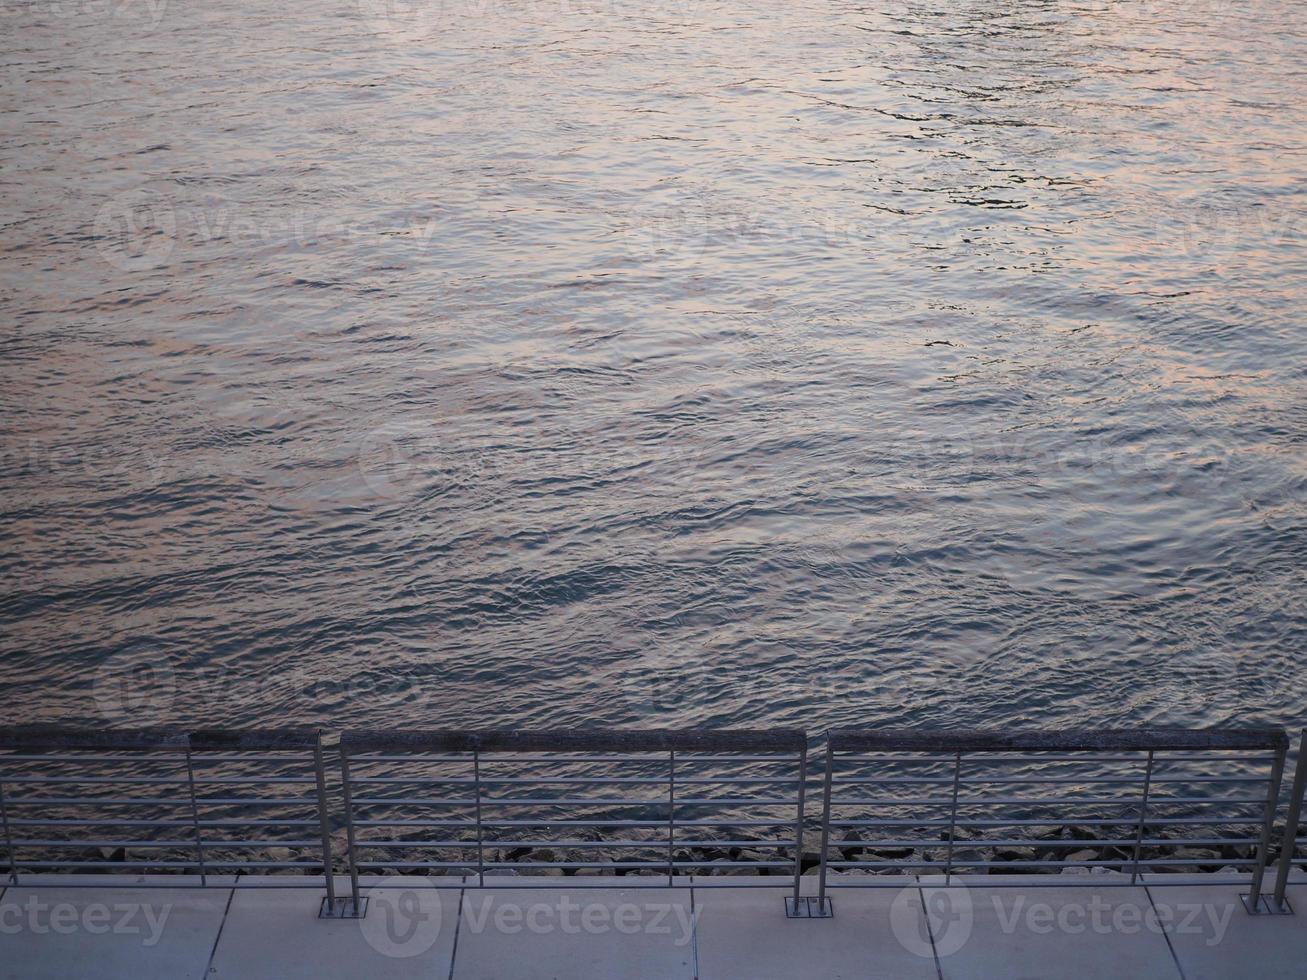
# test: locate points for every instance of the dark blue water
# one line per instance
(533, 363)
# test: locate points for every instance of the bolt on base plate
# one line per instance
(809, 908)
(1266, 907)
(343, 908)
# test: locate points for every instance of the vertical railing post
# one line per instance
(671, 816)
(798, 824)
(1143, 813)
(481, 841)
(1290, 842)
(1253, 898)
(195, 815)
(324, 824)
(952, 820)
(9, 838)
(348, 798)
(825, 826)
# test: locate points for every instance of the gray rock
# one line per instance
(960, 834)
(1182, 854)
(1014, 854)
(720, 869)
(960, 855)
(852, 853)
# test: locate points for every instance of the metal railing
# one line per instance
(958, 803)
(513, 808)
(210, 804)
(512, 805)
(1292, 838)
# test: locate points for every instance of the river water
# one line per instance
(491, 362)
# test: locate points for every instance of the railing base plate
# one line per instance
(1266, 907)
(343, 908)
(808, 908)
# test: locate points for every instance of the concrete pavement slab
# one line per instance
(875, 934)
(1214, 937)
(1046, 932)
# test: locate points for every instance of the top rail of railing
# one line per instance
(1157, 739)
(617, 740)
(44, 738)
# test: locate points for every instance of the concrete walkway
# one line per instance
(606, 931)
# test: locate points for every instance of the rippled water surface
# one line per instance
(539, 363)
